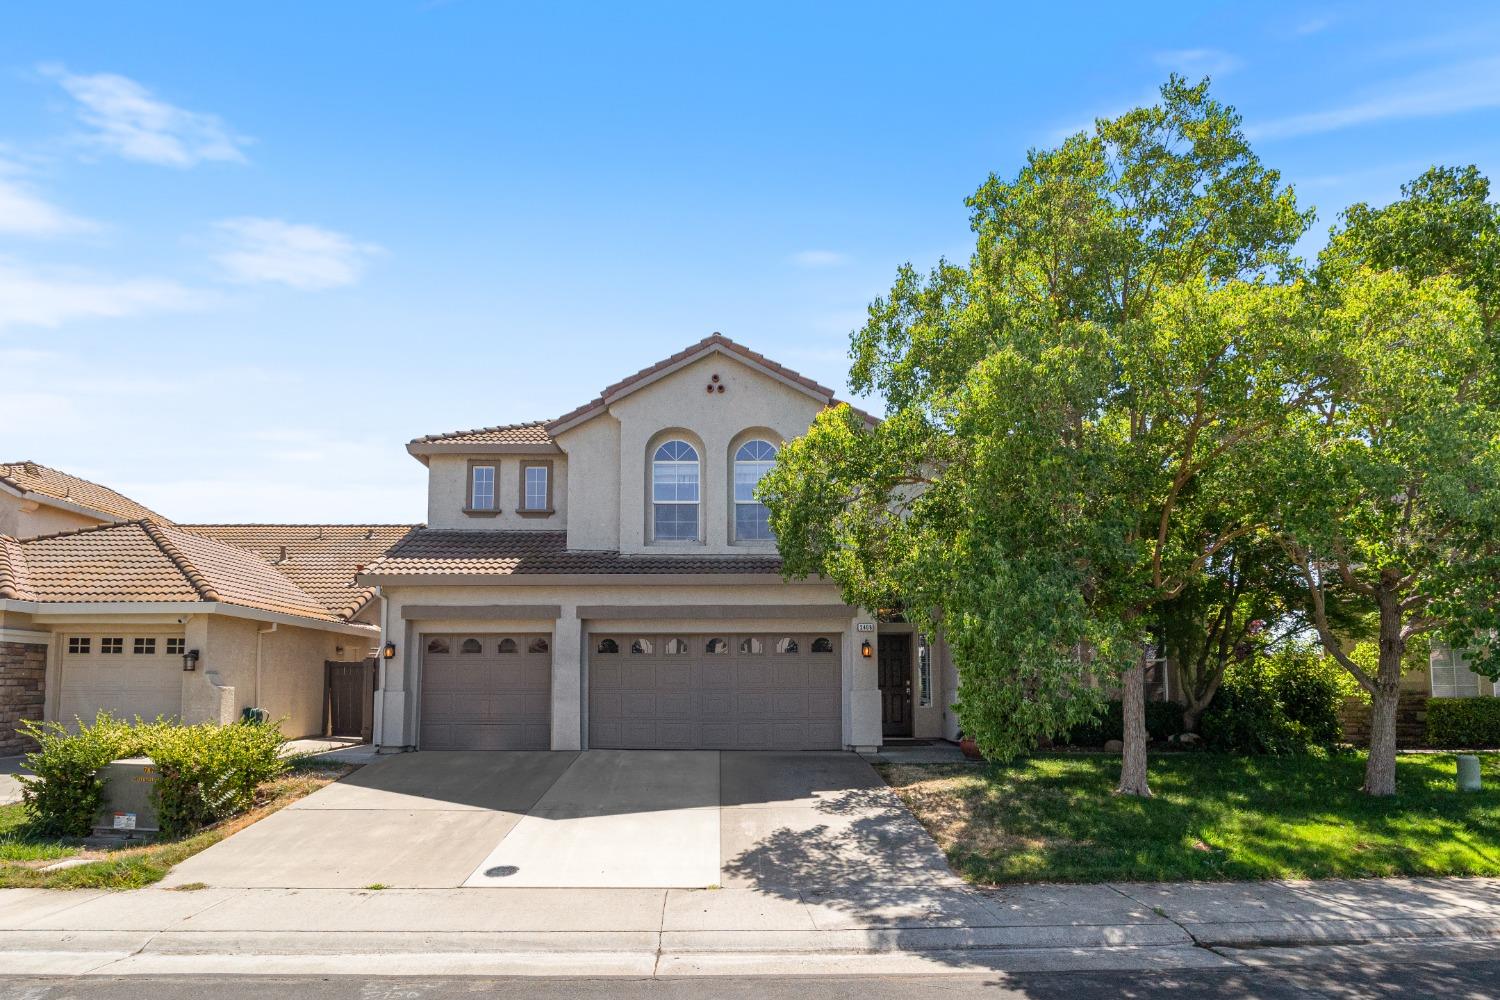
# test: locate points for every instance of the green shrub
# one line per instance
(1163, 721)
(1283, 703)
(1463, 723)
(65, 793)
(206, 773)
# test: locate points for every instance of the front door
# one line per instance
(895, 684)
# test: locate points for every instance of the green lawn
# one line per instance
(1053, 818)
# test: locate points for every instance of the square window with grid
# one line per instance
(176, 647)
(144, 647)
(78, 645)
(112, 645)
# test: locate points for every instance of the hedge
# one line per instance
(1463, 723)
(204, 773)
(1163, 721)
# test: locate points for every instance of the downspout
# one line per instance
(378, 728)
(258, 634)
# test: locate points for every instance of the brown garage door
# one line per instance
(772, 691)
(486, 692)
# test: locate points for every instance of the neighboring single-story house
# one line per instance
(608, 580)
(118, 609)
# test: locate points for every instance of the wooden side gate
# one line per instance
(349, 698)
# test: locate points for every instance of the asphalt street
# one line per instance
(1362, 975)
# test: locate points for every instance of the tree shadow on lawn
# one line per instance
(1214, 817)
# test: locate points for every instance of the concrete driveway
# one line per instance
(780, 822)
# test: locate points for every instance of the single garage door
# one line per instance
(122, 674)
(778, 691)
(486, 692)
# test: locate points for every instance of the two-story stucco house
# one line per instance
(608, 580)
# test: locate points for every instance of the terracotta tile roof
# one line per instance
(532, 433)
(31, 477)
(142, 561)
(427, 552)
(321, 559)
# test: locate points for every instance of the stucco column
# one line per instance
(864, 687)
(567, 681)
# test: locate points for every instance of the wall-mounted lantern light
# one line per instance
(190, 660)
(389, 652)
(866, 650)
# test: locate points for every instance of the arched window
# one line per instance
(751, 645)
(822, 644)
(607, 646)
(641, 647)
(437, 646)
(716, 646)
(471, 646)
(508, 646)
(537, 646)
(786, 644)
(674, 647)
(752, 521)
(674, 492)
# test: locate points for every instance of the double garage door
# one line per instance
(760, 691)
(772, 691)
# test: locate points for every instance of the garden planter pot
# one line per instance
(970, 749)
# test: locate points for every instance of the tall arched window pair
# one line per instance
(676, 494)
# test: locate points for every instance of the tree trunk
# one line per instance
(1133, 707)
(1380, 769)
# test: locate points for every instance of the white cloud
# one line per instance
(819, 258)
(1199, 62)
(29, 297)
(1467, 86)
(1313, 25)
(130, 121)
(299, 255)
(23, 212)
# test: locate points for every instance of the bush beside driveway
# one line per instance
(1213, 817)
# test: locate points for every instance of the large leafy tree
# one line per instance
(1071, 417)
(1390, 508)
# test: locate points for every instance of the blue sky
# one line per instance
(248, 251)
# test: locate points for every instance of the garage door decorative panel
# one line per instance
(486, 692)
(124, 675)
(738, 692)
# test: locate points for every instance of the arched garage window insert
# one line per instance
(752, 521)
(674, 492)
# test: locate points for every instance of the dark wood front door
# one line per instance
(895, 684)
(350, 695)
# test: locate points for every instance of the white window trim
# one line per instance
(474, 501)
(526, 482)
(735, 502)
(697, 463)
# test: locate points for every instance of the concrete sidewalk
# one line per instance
(520, 931)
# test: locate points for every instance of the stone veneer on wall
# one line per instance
(23, 676)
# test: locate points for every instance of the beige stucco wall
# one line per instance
(398, 702)
(610, 454)
(24, 518)
(448, 490)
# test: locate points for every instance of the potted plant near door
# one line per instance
(969, 747)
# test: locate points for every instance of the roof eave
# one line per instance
(94, 609)
(597, 579)
(421, 450)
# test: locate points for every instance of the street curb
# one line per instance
(1307, 933)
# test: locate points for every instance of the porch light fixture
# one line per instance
(389, 652)
(865, 649)
(190, 660)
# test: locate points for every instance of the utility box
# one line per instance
(127, 811)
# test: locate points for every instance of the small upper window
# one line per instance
(716, 646)
(607, 646)
(438, 646)
(471, 646)
(750, 644)
(508, 646)
(536, 493)
(822, 644)
(77, 645)
(112, 645)
(176, 647)
(674, 647)
(674, 492)
(787, 645)
(538, 645)
(752, 521)
(482, 487)
(144, 647)
(641, 647)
